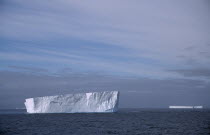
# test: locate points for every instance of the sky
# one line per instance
(156, 53)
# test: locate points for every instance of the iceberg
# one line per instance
(198, 107)
(106, 101)
(186, 107)
(181, 107)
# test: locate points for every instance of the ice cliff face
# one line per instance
(106, 101)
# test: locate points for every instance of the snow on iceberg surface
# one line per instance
(106, 101)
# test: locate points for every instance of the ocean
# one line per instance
(124, 122)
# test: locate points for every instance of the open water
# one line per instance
(124, 122)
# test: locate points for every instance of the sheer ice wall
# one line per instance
(106, 101)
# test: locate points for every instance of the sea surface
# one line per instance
(124, 122)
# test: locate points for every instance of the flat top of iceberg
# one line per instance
(70, 94)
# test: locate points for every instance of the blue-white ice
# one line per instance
(106, 101)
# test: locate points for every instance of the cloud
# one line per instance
(30, 69)
(97, 62)
(141, 92)
(160, 32)
(200, 72)
(142, 41)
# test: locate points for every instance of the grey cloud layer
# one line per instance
(29, 69)
(156, 30)
(194, 72)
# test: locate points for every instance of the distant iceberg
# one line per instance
(106, 101)
(186, 107)
(198, 107)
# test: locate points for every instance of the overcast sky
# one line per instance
(155, 52)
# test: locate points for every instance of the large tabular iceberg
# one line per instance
(106, 101)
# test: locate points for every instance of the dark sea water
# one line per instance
(124, 122)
